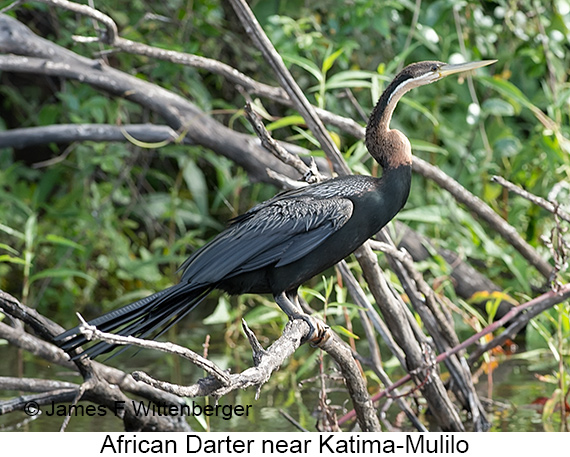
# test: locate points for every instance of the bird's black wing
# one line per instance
(278, 232)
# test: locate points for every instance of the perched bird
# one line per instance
(279, 244)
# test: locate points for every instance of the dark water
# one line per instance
(514, 389)
(516, 393)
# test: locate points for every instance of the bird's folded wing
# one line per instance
(278, 232)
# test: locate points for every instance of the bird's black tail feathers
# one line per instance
(157, 312)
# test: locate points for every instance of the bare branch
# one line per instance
(92, 333)
(541, 303)
(111, 31)
(256, 33)
(44, 57)
(266, 362)
(543, 203)
(255, 376)
(408, 338)
(34, 385)
(439, 326)
(101, 387)
(275, 148)
(159, 135)
(485, 212)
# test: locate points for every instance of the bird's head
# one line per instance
(422, 73)
(390, 147)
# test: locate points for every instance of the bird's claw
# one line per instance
(318, 330)
(322, 336)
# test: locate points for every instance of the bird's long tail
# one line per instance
(152, 315)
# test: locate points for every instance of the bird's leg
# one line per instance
(293, 298)
(292, 309)
(289, 303)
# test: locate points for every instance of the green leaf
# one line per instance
(498, 107)
(196, 182)
(509, 90)
(344, 331)
(56, 239)
(315, 294)
(30, 230)
(10, 259)
(491, 307)
(426, 146)
(262, 315)
(285, 122)
(306, 64)
(329, 61)
(549, 407)
(508, 147)
(221, 314)
(62, 273)
(11, 231)
(421, 108)
(329, 284)
(346, 304)
(9, 248)
(49, 114)
(350, 79)
(427, 214)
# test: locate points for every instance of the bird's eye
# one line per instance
(434, 68)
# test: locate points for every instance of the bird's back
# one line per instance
(280, 243)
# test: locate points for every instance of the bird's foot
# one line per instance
(322, 334)
(318, 330)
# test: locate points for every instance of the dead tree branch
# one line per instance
(539, 201)
(523, 312)
(100, 384)
(158, 135)
(258, 36)
(218, 385)
(24, 52)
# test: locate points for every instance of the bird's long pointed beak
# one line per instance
(450, 69)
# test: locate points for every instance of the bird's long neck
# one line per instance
(390, 148)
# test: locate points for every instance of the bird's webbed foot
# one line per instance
(318, 330)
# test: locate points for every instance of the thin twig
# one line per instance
(485, 212)
(147, 135)
(91, 332)
(276, 149)
(543, 203)
(256, 33)
(111, 31)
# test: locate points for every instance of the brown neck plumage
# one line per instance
(390, 147)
